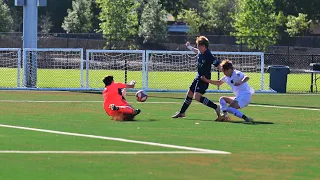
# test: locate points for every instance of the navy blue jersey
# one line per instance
(204, 64)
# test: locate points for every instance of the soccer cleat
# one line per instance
(249, 120)
(226, 117)
(179, 115)
(113, 107)
(220, 119)
(223, 118)
(137, 111)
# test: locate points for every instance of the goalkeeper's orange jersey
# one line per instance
(111, 94)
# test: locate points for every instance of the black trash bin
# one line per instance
(278, 78)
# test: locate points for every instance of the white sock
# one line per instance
(223, 104)
(235, 112)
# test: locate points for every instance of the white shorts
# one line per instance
(243, 100)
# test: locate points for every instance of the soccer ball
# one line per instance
(141, 96)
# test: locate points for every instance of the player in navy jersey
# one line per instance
(198, 87)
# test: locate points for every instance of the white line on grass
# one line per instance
(118, 139)
(285, 107)
(103, 152)
(254, 105)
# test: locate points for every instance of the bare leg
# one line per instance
(124, 92)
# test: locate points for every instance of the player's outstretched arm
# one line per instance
(215, 82)
(131, 84)
(243, 80)
(195, 50)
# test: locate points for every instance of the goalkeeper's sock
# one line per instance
(223, 104)
(236, 112)
(126, 110)
(186, 104)
(208, 103)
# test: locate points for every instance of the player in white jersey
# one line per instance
(242, 91)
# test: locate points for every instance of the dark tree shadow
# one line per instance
(243, 122)
(138, 121)
(231, 121)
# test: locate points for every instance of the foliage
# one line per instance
(118, 19)
(290, 7)
(193, 20)
(218, 15)
(6, 21)
(297, 25)
(45, 23)
(256, 23)
(58, 11)
(153, 26)
(173, 6)
(79, 18)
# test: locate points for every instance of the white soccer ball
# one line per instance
(141, 96)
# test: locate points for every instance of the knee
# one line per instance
(222, 99)
(197, 97)
(234, 104)
(190, 94)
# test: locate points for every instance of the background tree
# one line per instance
(79, 17)
(6, 21)
(192, 19)
(17, 19)
(153, 26)
(45, 23)
(256, 23)
(173, 6)
(118, 19)
(58, 11)
(218, 15)
(56, 8)
(290, 7)
(297, 25)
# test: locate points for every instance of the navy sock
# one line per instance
(186, 104)
(208, 103)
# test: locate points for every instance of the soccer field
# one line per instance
(67, 135)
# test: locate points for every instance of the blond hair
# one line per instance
(202, 41)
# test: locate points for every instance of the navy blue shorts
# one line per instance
(199, 86)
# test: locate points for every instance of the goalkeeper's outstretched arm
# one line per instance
(195, 50)
(131, 84)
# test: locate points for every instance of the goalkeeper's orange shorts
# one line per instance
(110, 112)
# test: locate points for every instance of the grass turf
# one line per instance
(283, 144)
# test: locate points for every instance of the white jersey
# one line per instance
(237, 76)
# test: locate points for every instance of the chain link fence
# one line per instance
(297, 53)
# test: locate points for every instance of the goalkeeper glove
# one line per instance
(133, 82)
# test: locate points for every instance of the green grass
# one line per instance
(283, 144)
(66, 78)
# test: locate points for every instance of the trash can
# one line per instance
(278, 78)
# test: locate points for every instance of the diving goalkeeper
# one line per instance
(115, 103)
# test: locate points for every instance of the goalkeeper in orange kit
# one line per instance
(115, 104)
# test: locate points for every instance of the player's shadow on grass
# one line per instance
(237, 122)
(243, 122)
(140, 120)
